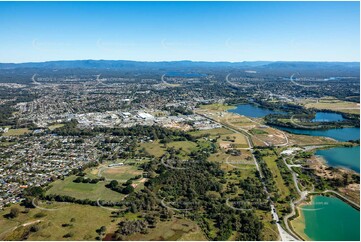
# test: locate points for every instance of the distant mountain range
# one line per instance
(124, 64)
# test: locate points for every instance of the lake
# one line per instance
(342, 134)
(252, 111)
(348, 157)
(327, 117)
(329, 218)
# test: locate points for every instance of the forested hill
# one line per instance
(124, 64)
(23, 72)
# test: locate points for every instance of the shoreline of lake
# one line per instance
(340, 133)
(252, 110)
(332, 157)
(302, 224)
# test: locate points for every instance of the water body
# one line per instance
(327, 117)
(342, 134)
(348, 157)
(252, 111)
(183, 74)
(329, 218)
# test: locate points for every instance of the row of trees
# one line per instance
(81, 179)
(267, 174)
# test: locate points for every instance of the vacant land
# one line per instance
(79, 222)
(16, 132)
(120, 173)
(261, 135)
(258, 131)
(235, 174)
(229, 163)
(154, 148)
(280, 183)
(55, 126)
(6, 144)
(303, 140)
(333, 104)
(129, 169)
(269, 136)
(187, 146)
(270, 231)
(211, 132)
(217, 107)
(176, 229)
(245, 157)
(84, 190)
(220, 157)
(235, 140)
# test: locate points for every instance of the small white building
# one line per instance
(290, 151)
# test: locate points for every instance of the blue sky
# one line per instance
(156, 31)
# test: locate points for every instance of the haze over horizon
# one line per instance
(215, 61)
(175, 31)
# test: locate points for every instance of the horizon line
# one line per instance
(155, 61)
